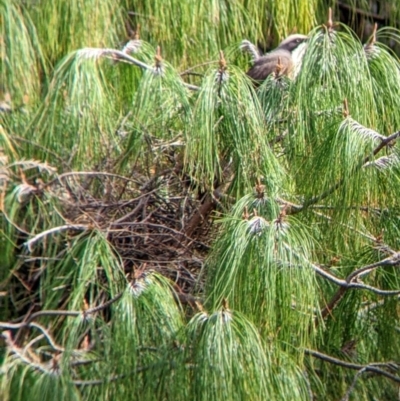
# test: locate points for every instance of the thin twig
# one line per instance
(347, 285)
(119, 55)
(69, 313)
(371, 367)
(18, 352)
(349, 282)
(353, 384)
(53, 230)
(48, 336)
(89, 174)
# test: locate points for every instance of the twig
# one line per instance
(53, 230)
(48, 336)
(103, 306)
(389, 261)
(35, 315)
(372, 367)
(353, 384)
(131, 213)
(9, 221)
(89, 174)
(350, 283)
(347, 285)
(93, 52)
(368, 307)
(119, 55)
(20, 354)
(6, 325)
(28, 323)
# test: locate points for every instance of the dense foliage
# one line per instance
(169, 231)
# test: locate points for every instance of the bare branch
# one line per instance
(7, 335)
(118, 55)
(351, 388)
(114, 54)
(53, 230)
(350, 281)
(48, 336)
(390, 261)
(20, 354)
(371, 367)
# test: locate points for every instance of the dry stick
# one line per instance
(210, 203)
(372, 367)
(178, 233)
(92, 52)
(21, 353)
(9, 221)
(132, 212)
(316, 199)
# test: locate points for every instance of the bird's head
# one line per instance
(292, 42)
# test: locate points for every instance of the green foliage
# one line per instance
(261, 266)
(226, 121)
(21, 58)
(65, 26)
(190, 31)
(78, 104)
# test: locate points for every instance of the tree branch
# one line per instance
(53, 230)
(119, 55)
(350, 282)
(371, 367)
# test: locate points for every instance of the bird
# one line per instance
(284, 60)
